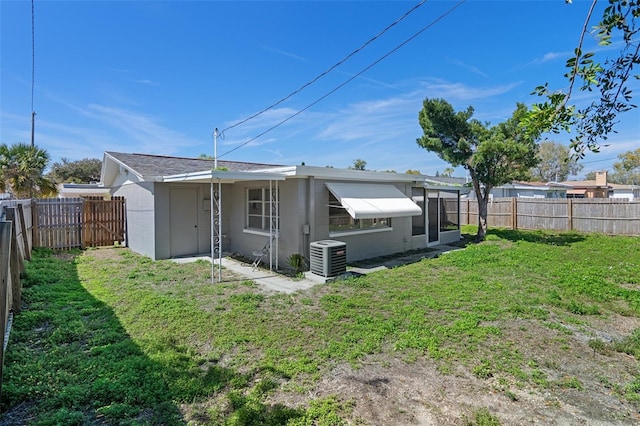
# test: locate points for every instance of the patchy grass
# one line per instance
(110, 336)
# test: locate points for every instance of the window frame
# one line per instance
(445, 225)
(260, 208)
(353, 226)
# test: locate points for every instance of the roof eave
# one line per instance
(222, 176)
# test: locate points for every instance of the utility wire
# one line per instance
(598, 161)
(432, 23)
(322, 74)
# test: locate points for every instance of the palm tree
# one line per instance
(22, 171)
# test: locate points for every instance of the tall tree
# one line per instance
(592, 124)
(413, 172)
(81, 171)
(493, 155)
(627, 170)
(22, 171)
(358, 164)
(556, 163)
(448, 172)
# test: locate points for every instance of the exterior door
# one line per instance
(183, 221)
(432, 218)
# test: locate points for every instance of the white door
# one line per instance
(183, 221)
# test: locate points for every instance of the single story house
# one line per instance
(630, 192)
(170, 202)
(518, 189)
(77, 190)
(591, 188)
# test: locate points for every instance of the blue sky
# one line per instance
(158, 77)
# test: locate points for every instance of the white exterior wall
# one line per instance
(622, 194)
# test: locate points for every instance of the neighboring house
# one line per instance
(169, 204)
(445, 180)
(528, 190)
(597, 188)
(631, 192)
(76, 190)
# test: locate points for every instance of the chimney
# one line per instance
(601, 178)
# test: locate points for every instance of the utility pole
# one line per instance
(33, 128)
(215, 148)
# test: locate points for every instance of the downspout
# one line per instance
(271, 225)
(277, 226)
(311, 215)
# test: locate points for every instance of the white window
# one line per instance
(262, 214)
(341, 221)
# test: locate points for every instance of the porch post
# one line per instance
(213, 263)
(219, 231)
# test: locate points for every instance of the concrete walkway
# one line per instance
(272, 281)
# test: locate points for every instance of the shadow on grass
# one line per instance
(556, 238)
(70, 361)
(539, 237)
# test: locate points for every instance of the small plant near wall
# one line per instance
(297, 262)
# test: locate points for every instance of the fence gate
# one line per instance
(66, 223)
(104, 221)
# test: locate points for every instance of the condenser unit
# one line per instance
(328, 258)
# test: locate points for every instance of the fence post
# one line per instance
(10, 213)
(34, 224)
(468, 213)
(5, 252)
(514, 218)
(25, 238)
(570, 213)
(16, 265)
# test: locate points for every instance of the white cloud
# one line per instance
(472, 68)
(146, 82)
(551, 56)
(284, 53)
(141, 130)
(463, 92)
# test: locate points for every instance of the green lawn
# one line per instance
(107, 336)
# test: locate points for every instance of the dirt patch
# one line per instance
(578, 389)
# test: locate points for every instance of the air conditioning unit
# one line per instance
(328, 258)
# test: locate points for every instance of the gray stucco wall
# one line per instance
(362, 245)
(169, 214)
(140, 215)
(292, 212)
(304, 218)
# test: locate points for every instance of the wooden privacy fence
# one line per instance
(14, 249)
(65, 223)
(604, 215)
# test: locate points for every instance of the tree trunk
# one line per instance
(482, 195)
(483, 202)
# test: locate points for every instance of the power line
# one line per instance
(322, 74)
(598, 161)
(432, 23)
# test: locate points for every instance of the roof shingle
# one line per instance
(159, 165)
